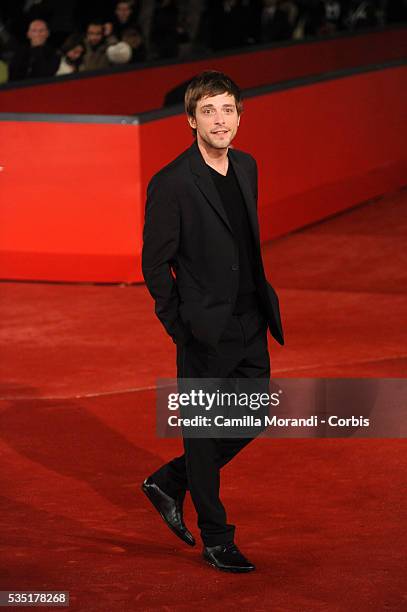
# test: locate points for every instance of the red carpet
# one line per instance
(322, 519)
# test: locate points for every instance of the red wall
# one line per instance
(136, 91)
(73, 194)
(70, 201)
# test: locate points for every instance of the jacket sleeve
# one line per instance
(160, 245)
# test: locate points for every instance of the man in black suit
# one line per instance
(202, 264)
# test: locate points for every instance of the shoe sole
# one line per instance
(174, 531)
(231, 570)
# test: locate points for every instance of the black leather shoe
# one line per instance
(227, 557)
(169, 508)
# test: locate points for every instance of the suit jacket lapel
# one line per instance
(205, 183)
(247, 195)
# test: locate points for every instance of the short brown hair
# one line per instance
(210, 83)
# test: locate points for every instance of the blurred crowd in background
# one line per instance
(43, 38)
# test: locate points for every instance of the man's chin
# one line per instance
(221, 144)
(217, 143)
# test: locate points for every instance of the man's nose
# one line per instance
(219, 117)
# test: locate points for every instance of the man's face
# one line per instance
(216, 121)
(123, 11)
(37, 33)
(94, 34)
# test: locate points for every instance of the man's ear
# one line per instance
(191, 121)
(238, 120)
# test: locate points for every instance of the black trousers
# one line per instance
(242, 353)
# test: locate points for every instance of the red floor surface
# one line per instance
(324, 520)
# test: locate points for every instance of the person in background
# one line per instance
(275, 20)
(20, 13)
(73, 50)
(36, 59)
(125, 17)
(95, 44)
(59, 15)
(124, 28)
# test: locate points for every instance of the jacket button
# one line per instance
(235, 267)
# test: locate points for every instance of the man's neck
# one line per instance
(215, 158)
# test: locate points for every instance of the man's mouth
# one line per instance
(220, 132)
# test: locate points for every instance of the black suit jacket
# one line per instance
(190, 256)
